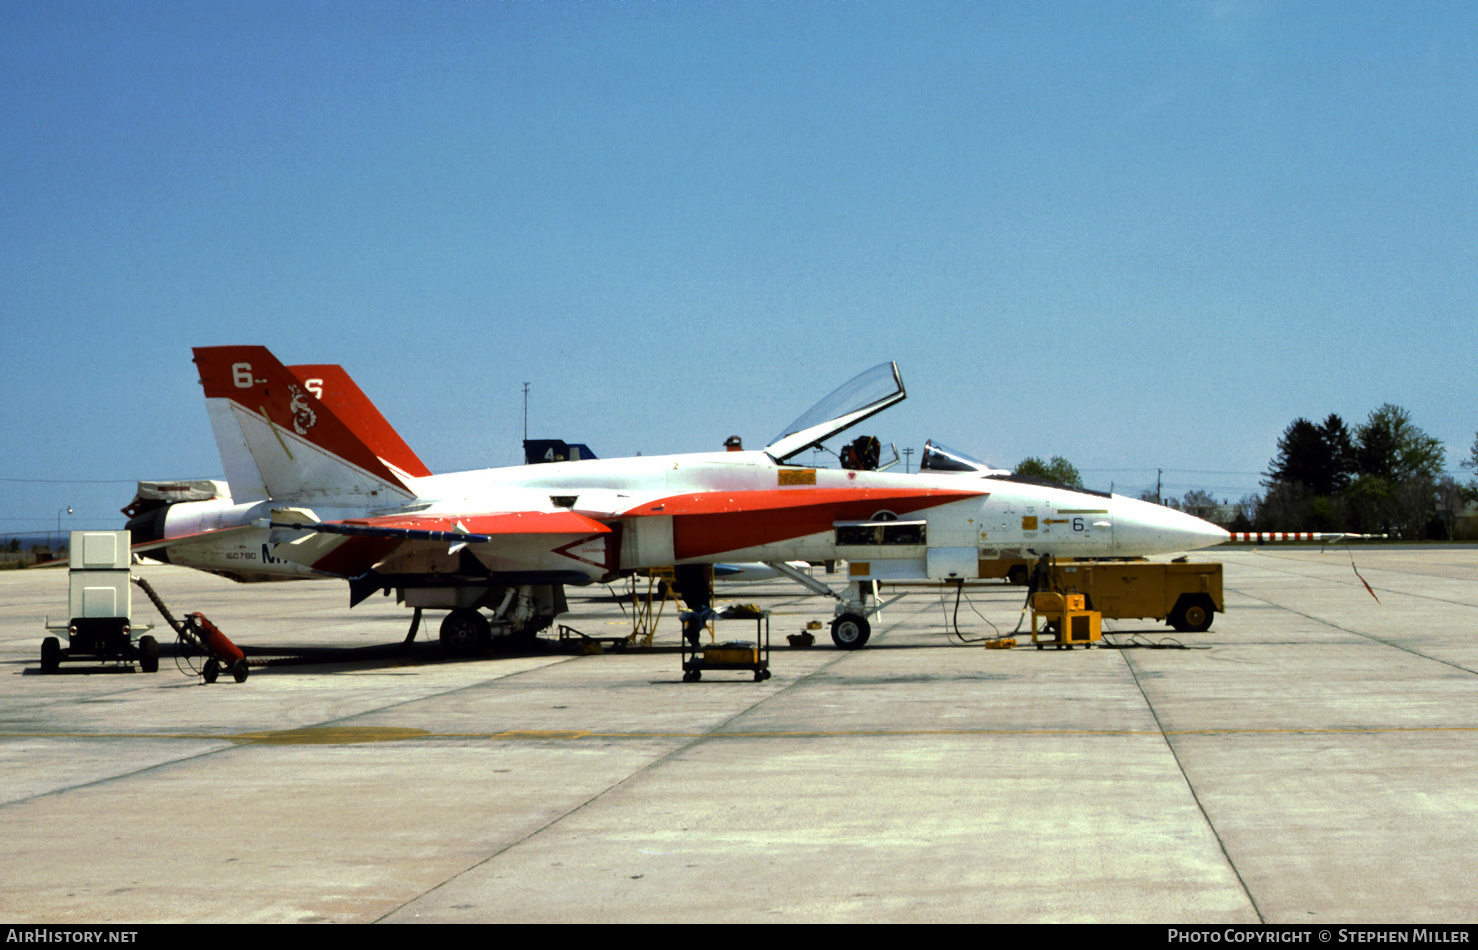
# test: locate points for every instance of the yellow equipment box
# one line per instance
(732, 652)
(1068, 624)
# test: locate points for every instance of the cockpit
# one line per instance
(941, 458)
(861, 397)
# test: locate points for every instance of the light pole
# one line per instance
(59, 528)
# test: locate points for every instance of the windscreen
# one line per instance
(942, 458)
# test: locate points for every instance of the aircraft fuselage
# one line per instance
(676, 509)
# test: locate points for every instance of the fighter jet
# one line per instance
(320, 486)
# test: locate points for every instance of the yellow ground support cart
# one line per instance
(1184, 595)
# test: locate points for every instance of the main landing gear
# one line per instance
(514, 620)
(850, 631)
(464, 632)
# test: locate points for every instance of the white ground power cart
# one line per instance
(100, 627)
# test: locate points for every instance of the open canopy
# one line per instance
(864, 395)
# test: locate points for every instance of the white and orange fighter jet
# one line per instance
(320, 485)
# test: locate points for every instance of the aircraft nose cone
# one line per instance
(1143, 528)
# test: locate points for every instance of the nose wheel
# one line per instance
(850, 631)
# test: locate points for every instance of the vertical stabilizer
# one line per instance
(282, 442)
(345, 399)
(240, 468)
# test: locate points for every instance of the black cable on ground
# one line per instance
(1137, 642)
(952, 626)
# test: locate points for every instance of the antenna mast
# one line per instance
(525, 412)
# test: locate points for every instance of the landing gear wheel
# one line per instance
(1192, 615)
(692, 676)
(850, 632)
(148, 654)
(1017, 576)
(463, 632)
(211, 671)
(51, 654)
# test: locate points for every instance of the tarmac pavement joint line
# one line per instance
(353, 735)
(329, 735)
(1382, 570)
(1364, 636)
(696, 739)
(308, 735)
(1190, 787)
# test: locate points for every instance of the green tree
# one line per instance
(1319, 458)
(1285, 506)
(1399, 466)
(1201, 504)
(1451, 499)
(1339, 447)
(1246, 516)
(1390, 446)
(1470, 490)
(1058, 470)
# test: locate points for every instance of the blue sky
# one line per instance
(1138, 235)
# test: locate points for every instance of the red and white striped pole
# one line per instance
(1262, 537)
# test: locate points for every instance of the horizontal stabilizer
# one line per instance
(464, 529)
(506, 522)
(211, 535)
(377, 531)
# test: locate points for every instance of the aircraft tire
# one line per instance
(1192, 614)
(148, 654)
(850, 632)
(463, 632)
(51, 654)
